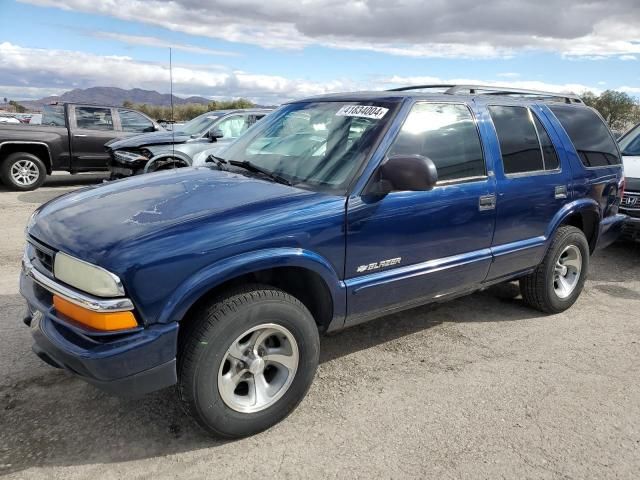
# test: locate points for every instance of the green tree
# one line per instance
(127, 104)
(185, 112)
(619, 109)
(19, 108)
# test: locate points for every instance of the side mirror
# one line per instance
(214, 134)
(405, 173)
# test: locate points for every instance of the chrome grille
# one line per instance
(43, 254)
(630, 204)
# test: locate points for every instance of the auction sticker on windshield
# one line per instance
(365, 111)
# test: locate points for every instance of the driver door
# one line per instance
(407, 247)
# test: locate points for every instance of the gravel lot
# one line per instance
(481, 387)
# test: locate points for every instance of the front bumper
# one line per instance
(129, 363)
(631, 229)
(123, 164)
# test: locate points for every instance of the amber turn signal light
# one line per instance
(97, 320)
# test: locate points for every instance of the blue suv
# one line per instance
(329, 212)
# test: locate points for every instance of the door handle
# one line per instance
(561, 191)
(487, 202)
(79, 135)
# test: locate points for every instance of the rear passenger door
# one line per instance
(134, 122)
(532, 186)
(91, 128)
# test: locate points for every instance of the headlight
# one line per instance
(86, 277)
(31, 222)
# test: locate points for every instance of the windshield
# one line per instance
(316, 144)
(200, 124)
(630, 143)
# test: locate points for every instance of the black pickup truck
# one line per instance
(71, 138)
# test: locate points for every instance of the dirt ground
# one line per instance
(481, 387)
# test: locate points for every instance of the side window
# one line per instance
(233, 127)
(134, 122)
(447, 134)
(630, 143)
(94, 118)
(549, 154)
(53, 115)
(589, 135)
(518, 139)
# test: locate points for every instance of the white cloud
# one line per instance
(453, 28)
(33, 70)
(26, 93)
(508, 75)
(627, 58)
(29, 73)
(159, 43)
(578, 88)
(630, 90)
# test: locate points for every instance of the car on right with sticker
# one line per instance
(630, 148)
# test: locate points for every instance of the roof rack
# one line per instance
(422, 87)
(488, 90)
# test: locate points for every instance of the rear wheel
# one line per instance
(557, 282)
(247, 360)
(23, 171)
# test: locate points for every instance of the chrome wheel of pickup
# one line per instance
(258, 368)
(567, 271)
(25, 173)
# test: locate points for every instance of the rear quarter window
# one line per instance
(588, 133)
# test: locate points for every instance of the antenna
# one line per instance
(173, 122)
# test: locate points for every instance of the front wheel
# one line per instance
(556, 283)
(247, 360)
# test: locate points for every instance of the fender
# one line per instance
(219, 272)
(47, 161)
(576, 206)
(162, 156)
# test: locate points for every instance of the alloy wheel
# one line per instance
(25, 173)
(258, 368)
(567, 271)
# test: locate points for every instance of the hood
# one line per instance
(631, 166)
(153, 138)
(91, 223)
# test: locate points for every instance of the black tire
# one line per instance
(538, 288)
(13, 182)
(208, 336)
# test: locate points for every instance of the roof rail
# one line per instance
(421, 87)
(489, 90)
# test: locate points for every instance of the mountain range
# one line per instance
(112, 96)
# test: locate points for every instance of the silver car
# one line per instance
(155, 151)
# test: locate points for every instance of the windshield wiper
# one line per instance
(254, 168)
(219, 161)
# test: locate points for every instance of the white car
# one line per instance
(630, 149)
(11, 120)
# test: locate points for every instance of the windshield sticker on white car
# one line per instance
(364, 111)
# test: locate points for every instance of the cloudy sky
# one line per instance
(271, 51)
